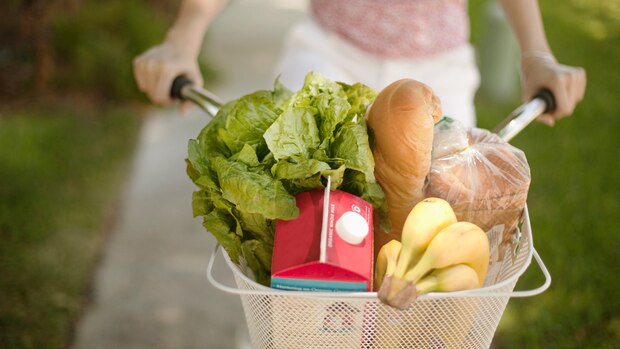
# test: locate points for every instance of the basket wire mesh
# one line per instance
(465, 319)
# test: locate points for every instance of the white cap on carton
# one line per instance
(352, 227)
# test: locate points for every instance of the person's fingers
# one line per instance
(144, 67)
(546, 119)
(580, 84)
(558, 86)
(185, 108)
(148, 69)
(155, 69)
(164, 83)
(526, 86)
(152, 77)
(574, 84)
(138, 73)
(574, 89)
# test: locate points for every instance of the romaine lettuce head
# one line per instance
(262, 149)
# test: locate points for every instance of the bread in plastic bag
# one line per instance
(485, 179)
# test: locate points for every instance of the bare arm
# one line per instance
(526, 22)
(539, 67)
(178, 54)
(191, 23)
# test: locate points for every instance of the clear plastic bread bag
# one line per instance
(485, 179)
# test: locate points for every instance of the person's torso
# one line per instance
(396, 28)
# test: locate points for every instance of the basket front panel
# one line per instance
(284, 320)
(278, 321)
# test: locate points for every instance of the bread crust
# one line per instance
(402, 119)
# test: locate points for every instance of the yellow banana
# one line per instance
(386, 261)
(426, 219)
(459, 243)
(458, 277)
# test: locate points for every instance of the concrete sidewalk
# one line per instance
(150, 289)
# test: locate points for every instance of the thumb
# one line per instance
(547, 120)
(185, 108)
(195, 76)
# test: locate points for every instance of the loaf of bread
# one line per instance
(486, 183)
(402, 119)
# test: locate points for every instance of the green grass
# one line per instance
(574, 198)
(62, 164)
(61, 170)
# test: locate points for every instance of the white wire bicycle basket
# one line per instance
(280, 319)
(465, 319)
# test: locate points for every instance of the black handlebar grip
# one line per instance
(548, 98)
(177, 85)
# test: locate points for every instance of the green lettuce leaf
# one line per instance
(294, 133)
(360, 97)
(281, 94)
(201, 205)
(298, 168)
(222, 226)
(254, 192)
(351, 145)
(257, 226)
(247, 120)
(247, 155)
(257, 256)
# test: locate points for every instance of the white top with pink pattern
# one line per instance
(407, 29)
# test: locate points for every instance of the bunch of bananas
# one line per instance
(436, 254)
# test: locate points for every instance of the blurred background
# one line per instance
(98, 248)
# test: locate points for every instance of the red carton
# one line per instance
(329, 247)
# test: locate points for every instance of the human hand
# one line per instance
(155, 69)
(567, 84)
